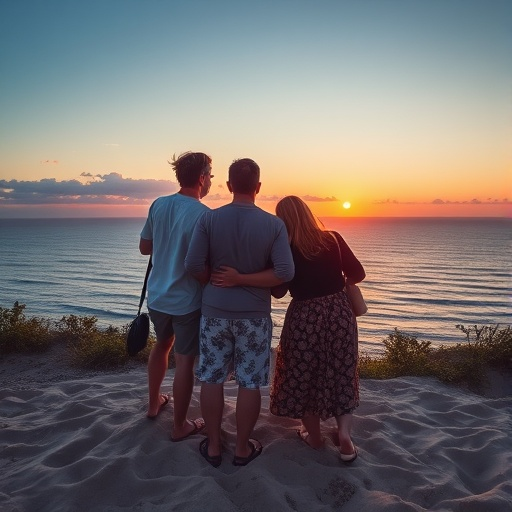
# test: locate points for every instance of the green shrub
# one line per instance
(374, 368)
(21, 334)
(77, 328)
(459, 364)
(100, 350)
(88, 346)
(492, 343)
(499, 348)
(95, 348)
(406, 355)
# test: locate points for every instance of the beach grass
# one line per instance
(91, 347)
(466, 364)
(94, 348)
(21, 334)
(86, 345)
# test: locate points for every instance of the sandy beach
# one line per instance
(80, 441)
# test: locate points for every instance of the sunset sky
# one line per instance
(399, 107)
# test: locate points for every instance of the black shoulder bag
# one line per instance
(138, 332)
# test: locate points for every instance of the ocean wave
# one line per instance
(423, 276)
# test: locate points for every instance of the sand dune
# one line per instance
(82, 443)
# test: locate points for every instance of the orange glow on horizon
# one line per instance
(321, 208)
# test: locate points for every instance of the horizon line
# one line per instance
(433, 217)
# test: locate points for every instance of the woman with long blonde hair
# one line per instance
(316, 363)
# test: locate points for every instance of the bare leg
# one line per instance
(344, 428)
(182, 393)
(212, 408)
(157, 368)
(311, 425)
(248, 405)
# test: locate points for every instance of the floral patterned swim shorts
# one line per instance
(241, 346)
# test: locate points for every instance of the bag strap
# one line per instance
(341, 259)
(143, 294)
(339, 249)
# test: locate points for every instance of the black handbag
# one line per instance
(138, 332)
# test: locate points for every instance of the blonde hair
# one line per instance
(305, 231)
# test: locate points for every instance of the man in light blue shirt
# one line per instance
(236, 328)
(174, 297)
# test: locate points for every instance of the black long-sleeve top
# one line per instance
(323, 275)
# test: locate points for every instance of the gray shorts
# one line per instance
(242, 346)
(184, 327)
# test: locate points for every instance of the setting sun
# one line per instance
(346, 205)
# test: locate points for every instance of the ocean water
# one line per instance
(424, 276)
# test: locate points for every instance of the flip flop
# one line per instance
(349, 458)
(256, 449)
(303, 435)
(214, 460)
(198, 427)
(162, 405)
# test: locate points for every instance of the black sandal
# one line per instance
(256, 449)
(214, 460)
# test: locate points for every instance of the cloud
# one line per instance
(387, 201)
(109, 188)
(272, 198)
(105, 189)
(226, 198)
(320, 199)
(489, 200)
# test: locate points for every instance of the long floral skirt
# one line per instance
(316, 361)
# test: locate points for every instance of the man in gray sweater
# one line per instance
(236, 328)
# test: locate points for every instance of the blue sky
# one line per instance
(376, 102)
